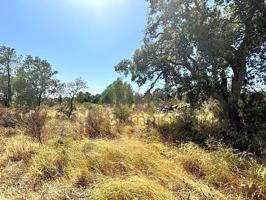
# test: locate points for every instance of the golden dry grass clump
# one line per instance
(129, 189)
(20, 147)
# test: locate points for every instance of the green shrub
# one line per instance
(123, 112)
(253, 114)
(209, 122)
(179, 127)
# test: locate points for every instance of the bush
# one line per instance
(7, 119)
(99, 124)
(123, 112)
(179, 127)
(196, 125)
(209, 122)
(253, 114)
(34, 123)
(150, 108)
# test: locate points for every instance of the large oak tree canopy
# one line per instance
(202, 48)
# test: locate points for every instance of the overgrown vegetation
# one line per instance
(123, 112)
(102, 162)
(98, 123)
(204, 49)
(34, 123)
(200, 136)
(117, 93)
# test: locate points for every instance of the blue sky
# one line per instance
(80, 38)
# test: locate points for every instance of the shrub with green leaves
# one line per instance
(209, 121)
(123, 112)
(179, 127)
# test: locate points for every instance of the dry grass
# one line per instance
(131, 188)
(20, 147)
(8, 119)
(135, 165)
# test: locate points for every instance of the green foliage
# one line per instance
(34, 81)
(70, 90)
(178, 128)
(253, 114)
(117, 93)
(83, 97)
(95, 98)
(8, 62)
(123, 112)
(198, 47)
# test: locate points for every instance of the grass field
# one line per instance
(129, 161)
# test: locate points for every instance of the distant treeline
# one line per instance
(29, 81)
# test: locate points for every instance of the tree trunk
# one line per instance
(39, 101)
(233, 100)
(71, 107)
(5, 100)
(239, 70)
(9, 92)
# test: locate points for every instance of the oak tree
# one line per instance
(203, 49)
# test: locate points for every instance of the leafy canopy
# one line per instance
(35, 79)
(117, 93)
(202, 48)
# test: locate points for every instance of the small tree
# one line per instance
(71, 91)
(35, 80)
(83, 97)
(117, 93)
(8, 60)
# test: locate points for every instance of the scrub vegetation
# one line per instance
(198, 132)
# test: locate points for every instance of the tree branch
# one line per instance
(153, 83)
